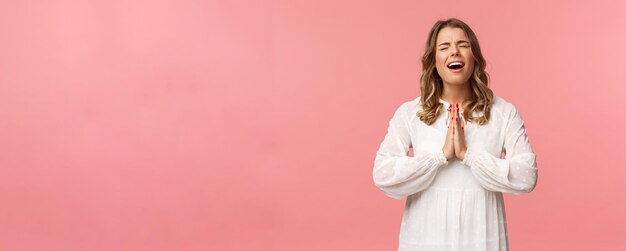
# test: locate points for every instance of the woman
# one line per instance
(458, 131)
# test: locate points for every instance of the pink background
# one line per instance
(253, 125)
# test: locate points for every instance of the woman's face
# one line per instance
(454, 58)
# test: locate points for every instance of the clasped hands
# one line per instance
(454, 145)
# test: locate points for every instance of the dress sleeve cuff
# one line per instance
(441, 158)
(469, 158)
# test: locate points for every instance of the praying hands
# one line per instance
(454, 145)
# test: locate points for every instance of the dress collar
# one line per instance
(446, 105)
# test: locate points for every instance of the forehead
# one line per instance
(450, 34)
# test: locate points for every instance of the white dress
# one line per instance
(454, 204)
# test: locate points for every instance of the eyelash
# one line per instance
(464, 46)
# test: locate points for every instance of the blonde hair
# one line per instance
(431, 84)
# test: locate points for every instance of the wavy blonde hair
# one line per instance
(431, 84)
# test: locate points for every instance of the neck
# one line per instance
(456, 94)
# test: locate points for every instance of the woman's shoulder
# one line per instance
(502, 105)
(410, 106)
(504, 108)
(406, 109)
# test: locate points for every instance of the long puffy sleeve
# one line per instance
(395, 173)
(517, 172)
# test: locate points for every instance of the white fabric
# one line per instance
(454, 204)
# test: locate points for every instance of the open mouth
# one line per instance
(456, 66)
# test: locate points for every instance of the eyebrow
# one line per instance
(457, 42)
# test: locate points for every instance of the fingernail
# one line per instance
(457, 106)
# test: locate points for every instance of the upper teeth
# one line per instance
(455, 63)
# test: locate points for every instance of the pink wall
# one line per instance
(253, 125)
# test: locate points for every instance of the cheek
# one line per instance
(473, 65)
(440, 59)
(470, 58)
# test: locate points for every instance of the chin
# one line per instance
(457, 81)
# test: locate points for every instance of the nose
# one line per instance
(454, 51)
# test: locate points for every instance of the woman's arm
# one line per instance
(517, 173)
(395, 173)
